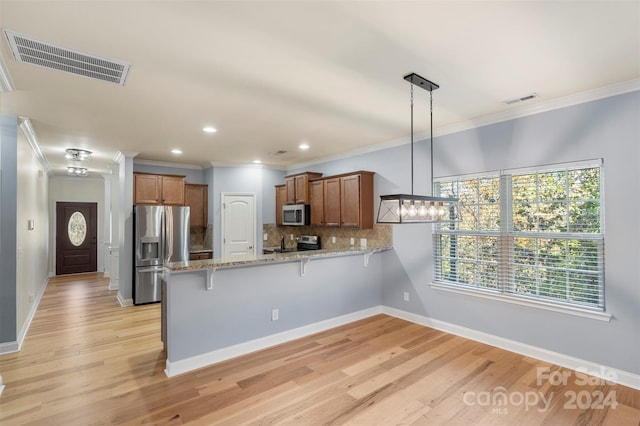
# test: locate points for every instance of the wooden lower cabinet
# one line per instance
(201, 256)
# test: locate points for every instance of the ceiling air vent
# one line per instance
(29, 50)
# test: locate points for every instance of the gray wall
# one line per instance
(238, 308)
(8, 220)
(608, 129)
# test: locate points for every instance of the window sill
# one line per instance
(570, 310)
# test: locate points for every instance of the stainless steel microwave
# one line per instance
(296, 214)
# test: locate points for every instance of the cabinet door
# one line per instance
(281, 200)
(350, 201)
(196, 197)
(332, 197)
(290, 184)
(316, 199)
(147, 189)
(302, 189)
(173, 190)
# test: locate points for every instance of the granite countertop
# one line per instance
(269, 258)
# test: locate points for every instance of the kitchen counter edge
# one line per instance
(193, 265)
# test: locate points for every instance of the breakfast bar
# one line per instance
(217, 309)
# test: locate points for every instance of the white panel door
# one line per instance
(238, 225)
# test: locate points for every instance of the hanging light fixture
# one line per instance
(77, 171)
(77, 154)
(410, 208)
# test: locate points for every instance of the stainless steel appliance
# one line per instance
(309, 242)
(161, 235)
(296, 214)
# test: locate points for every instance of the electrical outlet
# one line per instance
(291, 237)
(265, 237)
(406, 296)
(32, 297)
(363, 242)
(333, 240)
(275, 314)
(353, 241)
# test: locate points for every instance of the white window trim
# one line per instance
(532, 303)
(555, 306)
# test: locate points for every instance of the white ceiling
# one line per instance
(270, 75)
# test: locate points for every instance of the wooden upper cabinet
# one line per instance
(298, 187)
(173, 190)
(356, 200)
(147, 189)
(281, 200)
(158, 189)
(316, 200)
(332, 202)
(197, 198)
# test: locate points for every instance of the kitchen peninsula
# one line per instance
(217, 309)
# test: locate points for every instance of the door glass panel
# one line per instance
(77, 228)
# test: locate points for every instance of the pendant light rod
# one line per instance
(430, 86)
(412, 139)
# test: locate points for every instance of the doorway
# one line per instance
(76, 237)
(238, 225)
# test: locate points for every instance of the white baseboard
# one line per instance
(124, 302)
(199, 361)
(114, 284)
(1, 385)
(603, 372)
(9, 347)
(32, 313)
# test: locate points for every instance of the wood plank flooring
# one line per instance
(88, 361)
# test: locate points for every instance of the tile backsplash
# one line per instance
(378, 236)
(201, 238)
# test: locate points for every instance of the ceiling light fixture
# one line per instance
(410, 208)
(176, 151)
(257, 162)
(209, 129)
(304, 146)
(77, 171)
(77, 154)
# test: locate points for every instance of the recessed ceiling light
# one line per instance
(176, 151)
(303, 146)
(209, 129)
(257, 162)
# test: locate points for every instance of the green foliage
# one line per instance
(563, 202)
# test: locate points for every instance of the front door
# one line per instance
(238, 225)
(76, 233)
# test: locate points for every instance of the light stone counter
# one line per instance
(260, 259)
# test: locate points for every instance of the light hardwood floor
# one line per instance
(87, 361)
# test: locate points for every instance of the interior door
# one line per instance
(238, 225)
(76, 237)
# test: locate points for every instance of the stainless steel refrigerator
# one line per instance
(161, 235)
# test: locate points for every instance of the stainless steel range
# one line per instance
(309, 242)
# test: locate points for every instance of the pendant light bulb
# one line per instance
(441, 210)
(412, 209)
(422, 210)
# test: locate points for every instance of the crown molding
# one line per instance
(168, 164)
(511, 114)
(245, 165)
(6, 84)
(120, 155)
(32, 139)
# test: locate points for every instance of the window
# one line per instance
(531, 234)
